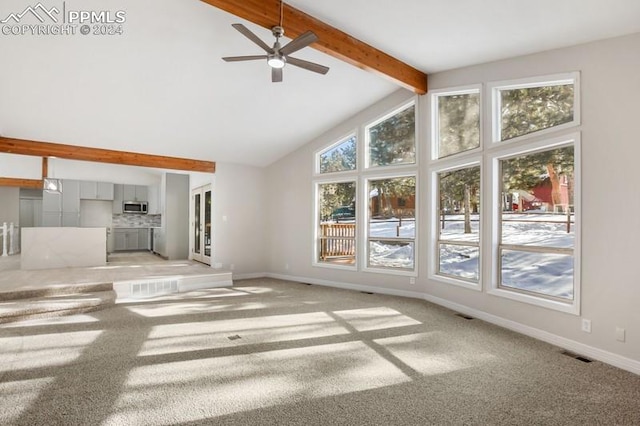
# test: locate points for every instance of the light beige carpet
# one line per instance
(279, 353)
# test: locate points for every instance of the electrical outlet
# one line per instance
(286, 266)
(232, 267)
(412, 280)
(586, 325)
(217, 265)
(620, 334)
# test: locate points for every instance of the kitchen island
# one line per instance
(62, 247)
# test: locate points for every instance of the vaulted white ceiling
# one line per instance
(161, 87)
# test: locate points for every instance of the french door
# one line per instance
(201, 224)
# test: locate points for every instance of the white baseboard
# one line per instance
(607, 357)
(349, 286)
(249, 276)
(571, 345)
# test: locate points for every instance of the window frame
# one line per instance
(434, 240)
(495, 217)
(337, 142)
(367, 141)
(316, 221)
(435, 121)
(365, 266)
(494, 89)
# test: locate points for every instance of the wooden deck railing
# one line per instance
(337, 240)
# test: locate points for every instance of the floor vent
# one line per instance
(366, 292)
(576, 356)
(467, 317)
(234, 337)
(152, 288)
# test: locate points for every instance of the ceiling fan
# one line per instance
(278, 56)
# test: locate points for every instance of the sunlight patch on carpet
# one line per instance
(185, 337)
(434, 353)
(176, 392)
(43, 350)
(378, 318)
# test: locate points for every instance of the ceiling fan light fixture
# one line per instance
(276, 61)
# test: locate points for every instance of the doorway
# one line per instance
(201, 224)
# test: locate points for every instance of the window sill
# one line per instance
(568, 307)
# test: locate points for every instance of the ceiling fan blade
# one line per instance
(276, 75)
(299, 42)
(251, 36)
(244, 58)
(311, 66)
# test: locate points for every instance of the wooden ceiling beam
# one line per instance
(332, 41)
(81, 153)
(21, 183)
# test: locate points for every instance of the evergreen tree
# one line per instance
(393, 140)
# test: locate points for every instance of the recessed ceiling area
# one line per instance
(162, 88)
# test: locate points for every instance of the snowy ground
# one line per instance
(546, 273)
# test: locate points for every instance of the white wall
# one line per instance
(20, 166)
(611, 227)
(9, 205)
(239, 219)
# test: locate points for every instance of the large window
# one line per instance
(530, 200)
(391, 224)
(339, 157)
(523, 108)
(456, 122)
(336, 223)
(458, 227)
(387, 174)
(392, 140)
(537, 223)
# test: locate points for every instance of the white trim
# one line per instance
(348, 286)
(616, 360)
(434, 134)
(404, 105)
(412, 272)
(250, 276)
(316, 156)
(542, 81)
(458, 163)
(607, 357)
(316, 224)
(570, 306)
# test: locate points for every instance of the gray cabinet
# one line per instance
(135, 193)
(51, 201)
(118, 197)
(143, 239)
(119, 240)
(96, 190)
(51, 208)
(123, 193)
(70, 203)
(131, 239)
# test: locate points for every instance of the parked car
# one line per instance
(344, 212)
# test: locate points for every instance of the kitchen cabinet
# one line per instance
(143, 239)
(135, 193)
(70, 203)
(118, 197)
(173, 241)
(52, 219)
(96, 190)
(123, 193)
(131, 239)
(51, 208)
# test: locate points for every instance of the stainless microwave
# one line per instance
(139, 207)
